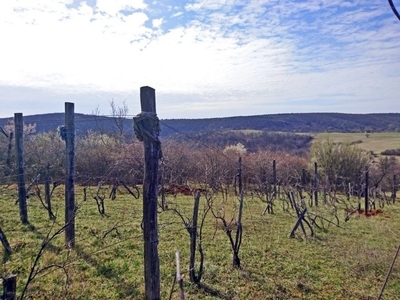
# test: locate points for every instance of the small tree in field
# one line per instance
(119, 114)
(340, 163)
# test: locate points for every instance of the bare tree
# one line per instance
(195, 233)
(236, 241)
(119, 115)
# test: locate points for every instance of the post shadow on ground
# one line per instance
(126, 290)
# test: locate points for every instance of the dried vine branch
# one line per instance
(394, 9)
(195, 233)
(34, 269)
(5, 242)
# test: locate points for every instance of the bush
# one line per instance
(395, 152)
(339, 163)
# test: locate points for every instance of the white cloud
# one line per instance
(114, 7)
(177, 14)
(216, 4)
(267, 51)
(84, 48)
(157, 22)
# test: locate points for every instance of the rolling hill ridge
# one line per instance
(294, 122)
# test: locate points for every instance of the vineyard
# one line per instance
(260, 225)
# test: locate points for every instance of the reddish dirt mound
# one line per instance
(178, 189)
(181, 189)
(372, 212)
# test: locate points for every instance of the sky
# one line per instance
(204, 58)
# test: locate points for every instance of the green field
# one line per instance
(349, 262)
(376, 142)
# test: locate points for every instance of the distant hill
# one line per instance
(83, 123)
(299, 122)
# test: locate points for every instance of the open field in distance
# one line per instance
(376, 142)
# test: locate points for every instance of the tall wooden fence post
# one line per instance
(274, 177)
(394, 189)
(193, 240)
(146, 126)
(47, 191)
(70, 175)
(19, 146)
(366, 189)
(316, 184)
(303, 183)
(8, 160)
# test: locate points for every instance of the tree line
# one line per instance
(301, 122)
(208, 158)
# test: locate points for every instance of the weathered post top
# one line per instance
(148, 99)
(69, 110)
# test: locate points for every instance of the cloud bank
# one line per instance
(205, 58)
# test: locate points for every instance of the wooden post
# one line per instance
(178, 275)
(70, 175)
(47, 191)
(270, 200)
(19, 146)
(9, 287)
(366, 189)
(8, 160)
(302, 183)
(239, 175)
(274, 176)
(193, 240)
(349, 191)
(147, 129)
(394, 189)
(316, 184)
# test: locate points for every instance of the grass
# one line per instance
(339, 263)
(248, 131)
(376, 142)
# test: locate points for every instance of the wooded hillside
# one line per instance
(302, 122)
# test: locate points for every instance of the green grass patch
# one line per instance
(339, 263)
(376, 142)
(248, 131)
